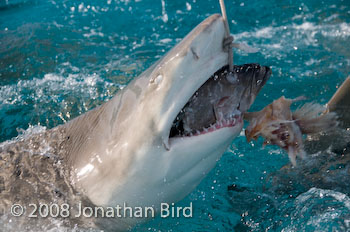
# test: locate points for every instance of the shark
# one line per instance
(152, 143)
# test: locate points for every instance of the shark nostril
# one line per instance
(156, 79)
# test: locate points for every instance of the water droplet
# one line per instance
(232, 78)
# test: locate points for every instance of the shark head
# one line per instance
(158, 137)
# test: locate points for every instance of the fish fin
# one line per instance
(302, 154)
(245, 47)
(300, 98)
(312, 118)
(292, 154)
(247, 136)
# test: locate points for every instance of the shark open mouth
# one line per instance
(220, 101)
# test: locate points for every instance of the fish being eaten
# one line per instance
(278, 125)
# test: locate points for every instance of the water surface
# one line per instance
(60, 58)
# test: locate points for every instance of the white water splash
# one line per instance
(164, 14)
(23, 134)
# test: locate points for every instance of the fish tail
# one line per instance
(294, 152)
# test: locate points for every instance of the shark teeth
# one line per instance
(228, 122)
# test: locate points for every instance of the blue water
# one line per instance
(60, 58)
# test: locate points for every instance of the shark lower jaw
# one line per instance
(219, 131)
(232, 121)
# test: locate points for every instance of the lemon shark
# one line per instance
(152, 143)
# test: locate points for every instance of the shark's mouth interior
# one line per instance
(220, 101)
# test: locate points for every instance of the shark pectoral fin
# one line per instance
(340, 104)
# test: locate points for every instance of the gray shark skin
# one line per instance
(131, 149)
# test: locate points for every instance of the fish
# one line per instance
(280, 126)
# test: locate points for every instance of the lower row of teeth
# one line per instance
(219, 124)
